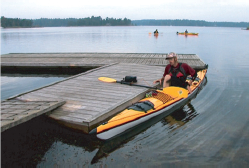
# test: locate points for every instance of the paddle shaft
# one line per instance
(131, 84)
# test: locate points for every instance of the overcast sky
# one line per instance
(209, 10)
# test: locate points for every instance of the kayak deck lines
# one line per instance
(163, 97)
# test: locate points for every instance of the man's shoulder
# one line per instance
(167, 68)
(184, 65)
(168, 65)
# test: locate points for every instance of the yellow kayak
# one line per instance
(187, 34)
(159, 101)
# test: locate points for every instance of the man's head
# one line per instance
(172, 58)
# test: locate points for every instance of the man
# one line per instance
(177, 73)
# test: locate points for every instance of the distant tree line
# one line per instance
(15, 22)
(185, 22)
(98, 21)
(46, 22)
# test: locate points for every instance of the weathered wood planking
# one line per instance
(89, 101)
(93, 59)
(15, 112)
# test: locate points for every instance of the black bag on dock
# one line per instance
(130, 79)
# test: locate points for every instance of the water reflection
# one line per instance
(180, 117)
(173, 121)
(29, 143)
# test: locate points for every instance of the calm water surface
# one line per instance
(211, 130)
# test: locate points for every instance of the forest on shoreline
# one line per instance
(98, 21)
(186, 22)
(56, 22)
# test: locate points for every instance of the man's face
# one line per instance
(171, 61)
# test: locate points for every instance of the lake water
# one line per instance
(211, 130)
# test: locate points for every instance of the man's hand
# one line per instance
(190, 82)
(159, 80)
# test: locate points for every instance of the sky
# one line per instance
(208, 10)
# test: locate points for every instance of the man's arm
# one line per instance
(166, 71)
(164, 74)
(190, 71)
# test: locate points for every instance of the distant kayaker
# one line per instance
(186, 31)
(176, 73)
(156, 31)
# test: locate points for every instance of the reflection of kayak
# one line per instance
(175, 120)
(187, 34)
(168, 100)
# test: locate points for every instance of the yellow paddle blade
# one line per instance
(106, 79)
(176, 92)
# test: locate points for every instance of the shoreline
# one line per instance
(120, 26)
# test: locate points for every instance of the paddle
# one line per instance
(110, 80)
(172, 90)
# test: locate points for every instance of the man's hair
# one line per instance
(176, 59)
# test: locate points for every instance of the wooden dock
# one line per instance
(93, 59)
(88, 101)
(15, 112)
